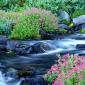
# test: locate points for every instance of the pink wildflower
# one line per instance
(80, 77)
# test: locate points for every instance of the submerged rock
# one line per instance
(80, 46)
(3, 44)
(19, 48)
(24, 72)
(25, 49)
(22, 49)
(38, 80)
(3, 40)
(11, 72)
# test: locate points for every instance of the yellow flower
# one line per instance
(71, 24)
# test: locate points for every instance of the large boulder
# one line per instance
(25, 49)
(19, 48)
(79, 20)
(38, 80)
(64, 15)
(22, 49)
(42, 47)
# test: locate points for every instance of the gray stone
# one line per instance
(41, 47)
(63, 26)
(64, 15)
(79, 20)
(83, 26)
(80, 46)
(38, 80)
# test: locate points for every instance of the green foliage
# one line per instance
(82, 31)
(47, 20)
(53, 5)
(48, 25)
(34, 20)
(5, 26)
(78, 13)
(1, 31)
(7, 21)
(50, 78)
(65, 22)
(28, 27)
(62, 31)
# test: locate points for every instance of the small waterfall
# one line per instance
(8, 80)
(2, 80)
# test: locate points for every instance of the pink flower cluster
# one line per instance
(69, 67)
(41, 12)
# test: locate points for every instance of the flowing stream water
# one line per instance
(42, 61)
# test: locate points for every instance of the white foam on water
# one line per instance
(4, 80)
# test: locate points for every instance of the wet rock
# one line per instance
(80, 46)
(38, 80)
(83, 26)
(24, 72)
(63, 26)
(23, 49)
(11, 72)
(2, 66)
(3, 44)
(3, 40)
(46, 35)
(76, 28)
(64, 15)
(41, 47)
(3, 48)
(79, 20)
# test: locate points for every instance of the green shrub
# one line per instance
(1, 31)
(52, 5)
(82, 31)
(8, 20)
(10, 4)
(62, 31)
(47, 20)
(78, 13)
(34, 20)
(28, 27)
(5, 26)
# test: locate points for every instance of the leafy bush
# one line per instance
(82, 31)
(8, 20)
(47, 20)
(70, 70)
(62, 31)
(10, 4)
(14, 16)
(34, 20)
(78, 13)
(28, 27)
(52, 5)
(5, 27)
(1, 31)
